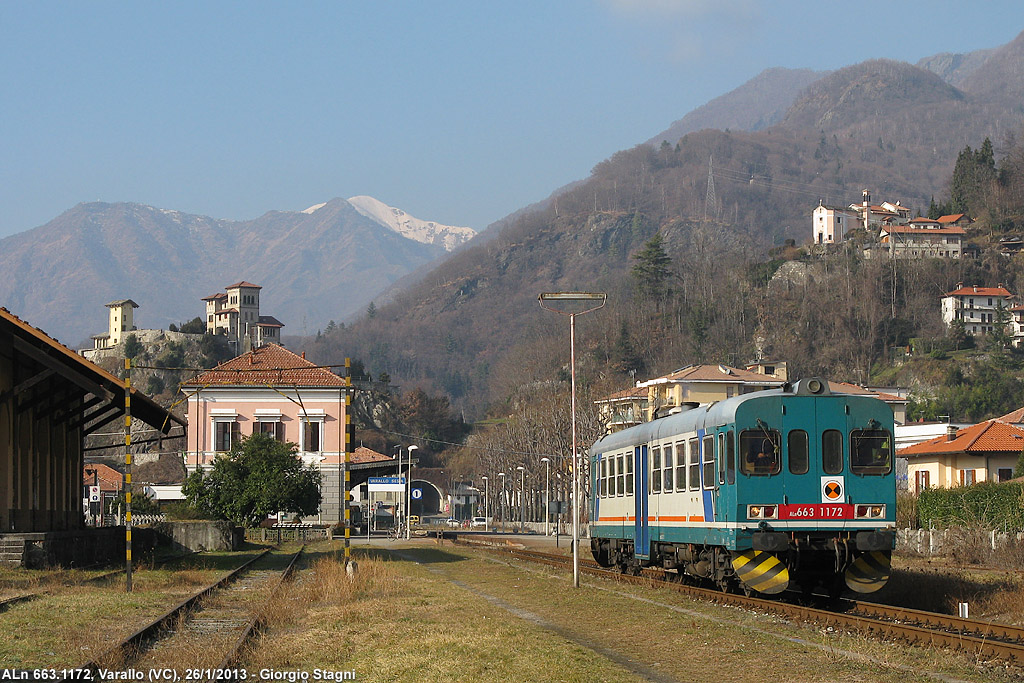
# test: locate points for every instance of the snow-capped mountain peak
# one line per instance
(427, 232)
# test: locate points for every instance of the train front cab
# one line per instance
(816, 490)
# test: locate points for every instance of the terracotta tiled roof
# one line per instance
(951, 218)
(715, 373)
(991, 436)
(106, 477)
(1014, 417)
(847, 388)
(214, 297)
(243, 283)
(910, 229)
(364, 454)
(980, 291)
(272, 364)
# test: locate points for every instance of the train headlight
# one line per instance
(870, 511)
(762, 512)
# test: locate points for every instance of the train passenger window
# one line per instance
(709, 461)
(870, 451)
(667, 479)
(759, 449)
(655, 470)
(694, 465)
(730, 458)
(799, 452)
(621, 477)
(832, 451)
(680, 465)
(629, 476)
(602, 485)
(721, 458)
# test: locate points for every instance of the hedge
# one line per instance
(988, 505)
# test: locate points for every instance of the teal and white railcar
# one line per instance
(758, 492)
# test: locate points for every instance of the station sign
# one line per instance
(375, 484)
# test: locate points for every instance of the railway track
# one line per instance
(18, 599)
(982, 639)
(205, 632)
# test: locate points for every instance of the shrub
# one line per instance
(985, 505)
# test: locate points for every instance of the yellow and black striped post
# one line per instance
(349, 434)
(128, 473)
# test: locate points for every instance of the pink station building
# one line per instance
(280, 393)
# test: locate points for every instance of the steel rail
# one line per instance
(161, 623)
(982, 639)
(256, 623)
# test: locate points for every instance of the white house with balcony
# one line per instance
(976, 307)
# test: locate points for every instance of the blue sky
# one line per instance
(459, 112)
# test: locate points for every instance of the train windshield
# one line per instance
(759, 450)
(870, 451)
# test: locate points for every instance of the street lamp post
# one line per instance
(501, 508)
(522, 498)
(486, 501)
(547, 492)
(595, 300)
(408, 491)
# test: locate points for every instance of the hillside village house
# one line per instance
(274, 391)
(983, 452)
(898, 234)
(235, 313)
(977, 308)
(623, 409)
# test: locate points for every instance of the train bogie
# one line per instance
(760, 492)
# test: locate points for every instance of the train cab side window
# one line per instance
(667, 479)
(759, 452)
(730, 457)
(655, 470)
(870, 451)
(799, 452)
(629, 476)
(694, 465)
(832, 451)
(680, 465)
(721, 458)
(708, 448)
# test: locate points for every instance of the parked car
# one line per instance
(479, 523)
(452, 522)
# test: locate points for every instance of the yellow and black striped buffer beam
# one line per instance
(869, 572)
(761, 571)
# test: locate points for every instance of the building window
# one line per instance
(1004, 474)
(274, 429)
(922, 480)
(967, 477)
(226, 433)
(311, 431)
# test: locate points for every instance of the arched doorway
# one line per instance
(429, 502)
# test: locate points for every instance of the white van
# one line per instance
(479, 523)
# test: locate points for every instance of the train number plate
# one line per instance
(816, 511)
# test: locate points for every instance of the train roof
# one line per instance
(719, 412)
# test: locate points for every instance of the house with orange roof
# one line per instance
(235, 313)
(976, 307)
(898, 404)
(987, 451)
(273, 391)
(923, 238)
(695, 384)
